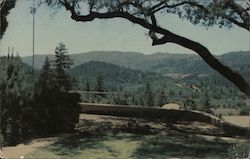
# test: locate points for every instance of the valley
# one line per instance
(173, 78)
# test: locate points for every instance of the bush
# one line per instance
(58, 113)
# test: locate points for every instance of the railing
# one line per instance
(90, 96)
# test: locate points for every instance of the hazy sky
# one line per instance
(115, 34)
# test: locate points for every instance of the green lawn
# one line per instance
(127, 145)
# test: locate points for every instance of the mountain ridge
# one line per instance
(157, 62)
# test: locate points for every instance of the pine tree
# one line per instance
(58, 109)
(62, 63)
(16, 94)
(149, 96)
(44, 86)
(99, 83)
(206, 104)
(87, 87)
(45, 77)
(161, 98)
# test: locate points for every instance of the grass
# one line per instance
(101, 136)
(128, 145)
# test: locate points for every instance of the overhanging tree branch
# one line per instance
(228, 4)
(241, 12)
(156, 9)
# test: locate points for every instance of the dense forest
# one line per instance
(190, 90)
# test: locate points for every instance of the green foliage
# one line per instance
(239, 151)
(207, 13)
(15, 100)
(206, 104)
(58, 109)
(5, 10)
(159, 62)
(62, 63)
(87, 87)
(161, 98)
(148, 95)
(45, 78)
(121, 99)
(189, 103)
(99, 87)
(184, 88)
(113, 75)
(245, 110)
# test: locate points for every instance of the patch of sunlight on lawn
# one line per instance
(125, 145)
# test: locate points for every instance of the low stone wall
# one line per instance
(159, 113)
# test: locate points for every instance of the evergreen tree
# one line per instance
(58, 109)
(161, 98)
(99, 83)
(206, 104)
(87, 87)
(189, 103)
(62, 63)
(15, 100)
(45, 77)
(43, 97)
(133, 100)
(149, 96)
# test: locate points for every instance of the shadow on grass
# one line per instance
(182, 147)
(74, 146)
(137, 140)
(150, 146)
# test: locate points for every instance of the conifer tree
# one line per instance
(15, 96)
(206, 104)
(99, 83)
(45, 77)
(161, 98)
(148, 96)
(59, 109)
(87, 87)
(62, 63)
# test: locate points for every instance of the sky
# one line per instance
(108, 35)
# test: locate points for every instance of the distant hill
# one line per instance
(127, 59)
(114, 75)
(112, 72)
(236, 59)
(158, 62)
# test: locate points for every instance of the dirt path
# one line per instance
(24, 149)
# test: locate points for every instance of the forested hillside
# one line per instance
(181, 78)
(158, 62)
(115, 76)
(189, 89)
